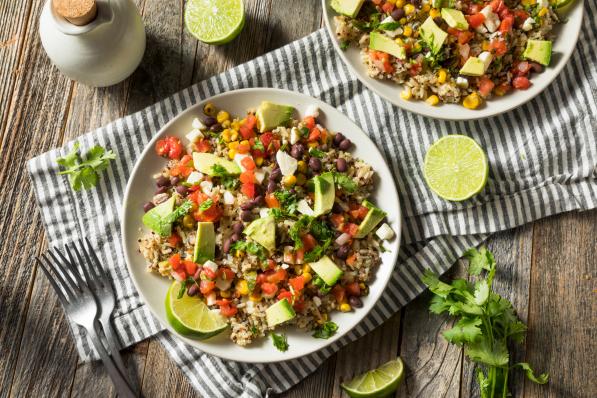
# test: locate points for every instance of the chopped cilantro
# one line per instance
(253, 248)
(345, 182)
(326, 331)
(228, 180)
(206, 205)
(304, 131)
(316, 153)
(280, 341)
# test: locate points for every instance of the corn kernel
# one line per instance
(402, 20)
(543, 12)
(324, 317)
(485, 45)
(255, 297)
(302, 166)
(226, 135)
(434, 13)
(226, 124)
(225, 293)
(307, 277)
(408, 31)
(234, 135)
(417, 47)
(259, 161)
(399, 3)
(242, 287)
(528, 2)
(222, 116)
(301, 179)
(409, 9)
(235, 125)
(426, 7)
(231, 153)
(362, 285)
(245, 143)
(345, 307)
(472, 101)
(442, 75)
(406, 94)
(432, 100)
(391, 1)
(289, 181)
(233, 145)
(399, 41)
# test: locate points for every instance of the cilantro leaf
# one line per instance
(465, 330)
(481, 292)
(258, 145)
(180, 211)
(206, 205)
(345, 182)
(280, 341)
(316, 153)
(251, 247)
(229, 181)
(479, 260)
(326, 331)
(541, 379)
(85, 173)
(288, 201)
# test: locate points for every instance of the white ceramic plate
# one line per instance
(141, 186)
(566, 36)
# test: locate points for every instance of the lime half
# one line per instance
(376, 383)
(214, 21)
(190, 316)
(456, 167)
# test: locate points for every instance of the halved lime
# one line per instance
(190, 316)
(378, 382)
(214, 21)
(456, 167)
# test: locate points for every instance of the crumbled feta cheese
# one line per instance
(313, 110)
(385, 232)
(194, 135)
(228, 198)
(481, 29)
(264, 212)
(486, 57)
(259, 175)
(194, 177)
(211, 298)
(462, 82)
(206, 187)
(287, 163)
(295, 135)
(211, 265)
(285, 266)
(528, 24)
(304, 208)
(197, 124)
(250, 308)
(492, 20)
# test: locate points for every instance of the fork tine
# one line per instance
(58, 289)
(87, 267)
(73, 264)
(100, 273)
(68, 287)
(62, 270)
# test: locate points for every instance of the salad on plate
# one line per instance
(261, 220)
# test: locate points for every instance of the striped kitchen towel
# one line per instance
(542, 156)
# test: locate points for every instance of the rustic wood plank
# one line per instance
(562, 308)
(512, 251)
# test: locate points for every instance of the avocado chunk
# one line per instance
(270, 115)
(432, 35)
(350, 8)
(538, 51)
(204, 162)
(325, 193)
(327, 270)
(373, 217)
(454, 18)
(380, 42)
(205, 243)
(263, 231)
(156, 218)
(473, 67)
(279, 312)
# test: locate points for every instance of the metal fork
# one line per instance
(81, 306)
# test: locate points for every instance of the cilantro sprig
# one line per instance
(326, 330)
(486, 323)
(251, 247)
(280, 341)
(85, 173)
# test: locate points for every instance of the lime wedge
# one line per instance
(214, 21)
(190, 316)
(456, 167)
(378, 382)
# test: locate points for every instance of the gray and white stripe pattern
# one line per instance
(543, 161)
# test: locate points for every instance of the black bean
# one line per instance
(275, 175)
(162, 181)
(258, 201)
(345, 144)
(355, 302)
(197, 275)
(341, 165)
(537, 68)
(323, 147)
(336, 208)
(238, 228)
(416, 3)
(246, 216)
(161, 190)
(315, 164)
(271, 186)
(209, 121)
(342, 252)
(226, 246)
(193, 290)
(174, 180)
(338, 138)
(397, 14)
(148, 206)
(248, 205)
(297, 151)
(182, 190)
(216, 128)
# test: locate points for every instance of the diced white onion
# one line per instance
(194, 135)
(238, 160)
(197, 124)
(287, 163)
(211, 298)
(295, 135)
(486, 57)
(206, 187)
(385, 232)
(264, 212)
(462, 82)
(223, 284)
(343, 239)
(259, 175)
(194, 177)
(176, 276)
(211, 265)
(228, 198)
(528, 24)
(304, 208)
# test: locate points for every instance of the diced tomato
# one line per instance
(506, 24)
(266, 140)
(297, 283)
(175, 261)
(376, 2)
(351, 229)
(465, 36)
(285, 294)
(250, 121)
(486, 85)
(299, 305)
(352, 259)
(337, 220)
(277, 276)
(247, 177)
(271, 201)
(387, 7)
(520, 16)
(248, 189)
(339, 293)
(521, 83)
(187, 160)
(299, 256)
(202, 145)
(246, 132)
(522, 68)
(497, 5)
(505, 12)
(174, 239)
(190, 267)
(415, 69)
(180, 170)
(161, 148)
(309, 242)
(208, 272)
(227, 309)
(225, 273)
(262, 277)
(271, 264)
(381, 60)
(269, 289)
(474, 9)
(169, 147)
(243, 147)
(359, 213)
(309, 122)
(314, 134)
(502, 89)
(353, 289)
(475, 20)
(198, 197)
(246, 129)
(498, 47)
(206, 287)
(453, 31)
(212, 214)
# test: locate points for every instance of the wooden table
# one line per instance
(547, 268)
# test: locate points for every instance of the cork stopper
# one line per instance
(77, 12)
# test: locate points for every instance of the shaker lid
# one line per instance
(77, 12)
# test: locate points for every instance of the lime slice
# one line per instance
(456, 167)
(214, 21)
(190, 316)
(378, 382)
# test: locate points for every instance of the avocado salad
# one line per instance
(450, 51)
(260, 221)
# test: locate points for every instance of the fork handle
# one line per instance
(123, 389)
(113, 345)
